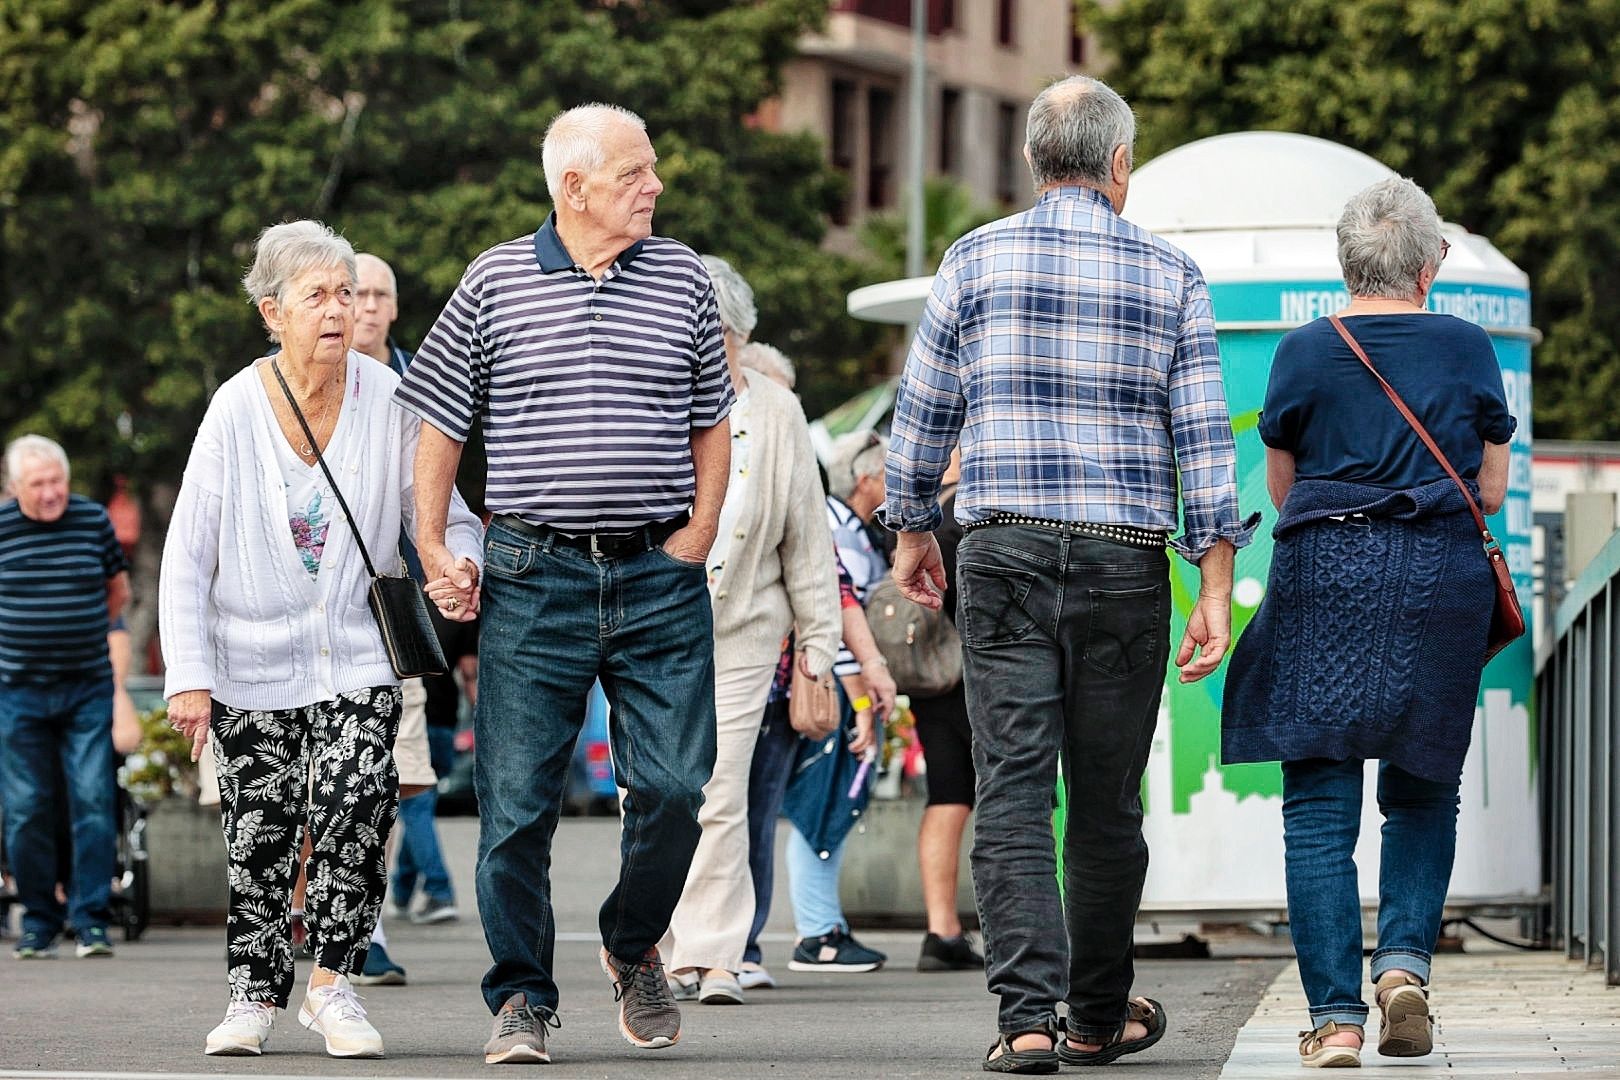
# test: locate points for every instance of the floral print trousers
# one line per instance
(331, 766)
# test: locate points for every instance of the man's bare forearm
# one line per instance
(1215, 571)
(711, 464)
(437, 458)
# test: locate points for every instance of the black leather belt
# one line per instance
(610, 545)
(1119, 534)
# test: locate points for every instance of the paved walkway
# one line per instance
(1498, 1013)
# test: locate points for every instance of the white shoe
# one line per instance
(683, 985)
(335, 1011)
(721, 988)
(754, 977)
(243, 1032)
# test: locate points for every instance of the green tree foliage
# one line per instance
(949, 213)
(1507, 111)
(144, 144)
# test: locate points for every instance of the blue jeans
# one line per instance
(420, 860)
(767, 783)
(50, 734)
(1321, 822)
(813, 885)
(555, 620)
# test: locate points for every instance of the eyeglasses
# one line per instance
(365, 296)
(1445, 249)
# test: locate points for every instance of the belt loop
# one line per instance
(596, 551)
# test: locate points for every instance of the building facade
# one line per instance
(987, 59)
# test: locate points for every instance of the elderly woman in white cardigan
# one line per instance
(271, 649)
(771, 568)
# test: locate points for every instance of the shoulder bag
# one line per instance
(1507, 620)
(921, 644)
(813, 709)
(397, 603)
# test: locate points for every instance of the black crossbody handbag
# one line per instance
(397, 603)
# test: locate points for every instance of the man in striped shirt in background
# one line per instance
(1074, 355)
(63, 579)
(591, 350)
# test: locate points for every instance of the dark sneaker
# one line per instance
(519, 1037)
(949, 954)
(648, 1015)
(836, 952)
(93, 942)
(379, 969)
(34, 945)
(436, 911)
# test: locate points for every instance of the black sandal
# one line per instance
(1027, 1062)
(1144, 1011)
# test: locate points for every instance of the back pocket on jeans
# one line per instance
(991, 608)
(1123, 635)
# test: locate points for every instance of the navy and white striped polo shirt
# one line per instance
(588, 390)
(53, 593)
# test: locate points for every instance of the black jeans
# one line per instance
(1065, 641)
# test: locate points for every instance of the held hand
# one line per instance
(919, 569)
(880, 685)
(691, 543)
(1209, 630)
(456, 601)
(864, 727)
(189, 714)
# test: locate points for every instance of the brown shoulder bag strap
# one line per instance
(1439, 455)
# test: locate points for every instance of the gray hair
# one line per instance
(284, 251)
(858, 454)
(769, 361)
(1074, 126)
(574, 141)
(733, 295)
(382, 264)
(32, 448)
(1388, 233)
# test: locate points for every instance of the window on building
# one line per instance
(947, 14)
(881, 138)
(1009, 153)
(950, 130)
(844, 140)
(1077, 44)
(1007, 22)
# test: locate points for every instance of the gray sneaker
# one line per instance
(648, 1015)
(435, 911)
(519, 1037)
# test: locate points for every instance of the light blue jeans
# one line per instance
(1321, 822)
(813, 887)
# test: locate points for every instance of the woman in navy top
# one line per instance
(1371, 637)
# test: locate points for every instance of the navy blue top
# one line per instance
(1323, 406)
(53, 593)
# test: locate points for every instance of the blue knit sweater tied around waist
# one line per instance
(1371, 637)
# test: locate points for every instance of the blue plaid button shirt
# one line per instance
(1073, 354)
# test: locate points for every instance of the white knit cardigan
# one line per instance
(238, 613)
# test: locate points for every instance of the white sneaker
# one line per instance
(683, 985)
(335, 1011)
(754, 977)
(721, 988)
(243, 1032)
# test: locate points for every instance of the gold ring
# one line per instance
(453, 604)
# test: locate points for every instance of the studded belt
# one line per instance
(1119, 534)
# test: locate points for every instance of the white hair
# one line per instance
(1388, 233)
(369, 259)
(574, 141)
(1074, 127)
(769, 360)
(285, 251)
(32, 448)
(733, 296)
(858, 454)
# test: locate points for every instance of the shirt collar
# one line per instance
(552, 256)
(1076, 191)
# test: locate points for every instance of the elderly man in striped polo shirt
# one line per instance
(592, 352)
(1074, 356)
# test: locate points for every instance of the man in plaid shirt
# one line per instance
(1074, 357)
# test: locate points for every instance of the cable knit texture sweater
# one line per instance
(1371, 637)
(239, 615)
(779, 568)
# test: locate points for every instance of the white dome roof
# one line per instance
(1249, 180)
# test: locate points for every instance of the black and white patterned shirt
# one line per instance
(588, 390)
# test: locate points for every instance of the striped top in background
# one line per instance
(1074, 356)
(53, 593)
(588, 390)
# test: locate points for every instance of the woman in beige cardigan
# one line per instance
(771, 568)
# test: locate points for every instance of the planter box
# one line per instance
(186, 862)
(881, 884)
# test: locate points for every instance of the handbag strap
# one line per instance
(320, 460)
(1422, 433)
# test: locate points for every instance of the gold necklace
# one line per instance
(307, 449)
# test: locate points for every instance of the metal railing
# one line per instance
(1578, 686)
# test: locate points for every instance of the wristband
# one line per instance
(878, 661)
(862, 703)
